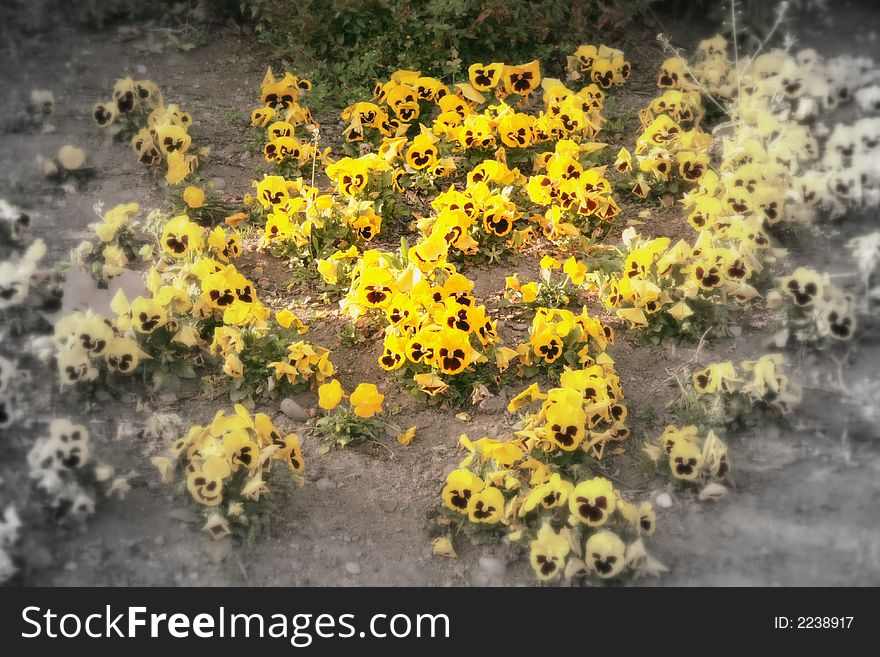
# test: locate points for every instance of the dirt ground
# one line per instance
(804, 506)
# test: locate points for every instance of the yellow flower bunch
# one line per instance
(65, 468)
(290, 128)
(86, 342)
(566, 115)
(761, 380)
(228, 465)
(604, 65)
(160, 326)
(723, 394)
(482, 214)
(678, 287)
(526, 485)
(816, 309)
(434, 327)
(355, 421)
(691, 457)
(466, 120)
(736, 199)
(394, 106)
(227, 293)
(559, 338)
(583, 414)
(160, 132)
(683, 107)
(358, 178)
(579, 199)
(773, 73)
(547, 292)
(16, 273)
(129, 97)
(304, 363)
(665, 151)
(368, 120)
(500, 486)
(302, 222)
(403, 99)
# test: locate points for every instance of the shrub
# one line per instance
(353, 43)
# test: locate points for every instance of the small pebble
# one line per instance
(493, 566)
(323, 484)
(293, 410)
(664, 501)
(352, 568)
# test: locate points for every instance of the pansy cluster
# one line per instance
(578, 198)
(532, 484)
(583, 415)
(160, 132)
(304, 363)
(434, 328)
(572, 529)
(693, 458)
(226, 307)
(762, 381)
(549, 291)
(477, 126)
(484, 215)
(735, 200)
(816, 310)
(228, 466)
(408, 96)
(115, 246)
(677, 289)
(666, 152)
(467, 122)
(17, 272)
(290, 130)
(559, 338)
(603, 65)
(196, 297)
(358, 419)
(130, 99)
(86, 342)
(301, 222)
(162, 324)
(780, 99)
(64, 467)
(788, 165)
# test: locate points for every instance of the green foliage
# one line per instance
(350, 336)
(345, 428)
(711, 318)
(351, 43)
